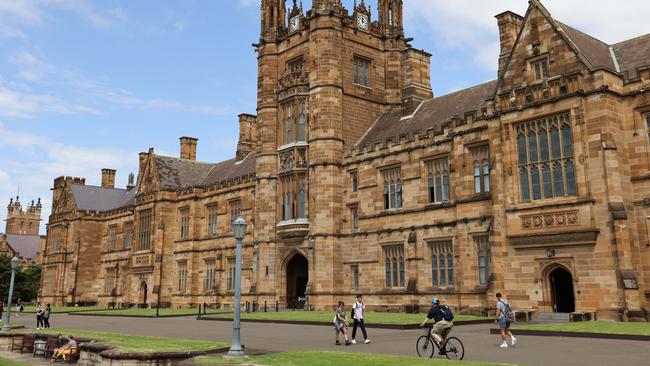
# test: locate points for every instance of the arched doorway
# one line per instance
(297, 278)
(561, 283)
(143, 294)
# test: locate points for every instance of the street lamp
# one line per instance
(14, 265)
(239, 230)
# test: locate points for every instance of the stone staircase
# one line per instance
(545, 318)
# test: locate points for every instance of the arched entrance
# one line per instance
(143, 294)
(561, 283)
(297, 278)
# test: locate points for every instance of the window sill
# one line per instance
(544, 203)
(292, 144)
(363, 86)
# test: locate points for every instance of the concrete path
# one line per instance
(479, 344)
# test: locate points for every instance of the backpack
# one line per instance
(447, 314)
(509, 314)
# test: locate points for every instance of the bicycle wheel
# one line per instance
(425, 347)
(454, 349)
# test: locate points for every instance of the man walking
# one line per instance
(505, 316)
(357, 310)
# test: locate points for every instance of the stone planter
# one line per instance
(101, 355)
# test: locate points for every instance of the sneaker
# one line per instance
(504, 345)
(338, 343)
(347, 343)
(366, 341)
(353, 342)
(514, 341)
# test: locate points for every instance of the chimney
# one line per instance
(188, 147)
(108, 178)
(509, 26)
(247, 135)
(131, 183)
(417, 80)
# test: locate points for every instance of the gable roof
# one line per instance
(595, 51)
(632, 54)
(93, 198)
(25, 246)
(175, 173)
(230, 169)
(432, 113)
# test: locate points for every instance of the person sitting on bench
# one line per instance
(66, 351)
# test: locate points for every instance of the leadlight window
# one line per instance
(392, 188)
(355, 217)
(355, 181)
(361, 68)
(438, 180)
(481, 169)
(484, 259)
(231, 273)
(110, 280)
(182, 276)
(112, 238)
(235, 211)
(545, 157)
(144, 235)
(293, 197)
(210, 280)
(442, 264)
(355, 277)
(184, 222)
(540, 69)
(394, 261)
(128, 235)
(212, 220)
(294, 122)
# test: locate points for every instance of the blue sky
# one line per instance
(86, 85)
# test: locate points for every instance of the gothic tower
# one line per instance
(273, 17)
(391, 16)
(23, 222)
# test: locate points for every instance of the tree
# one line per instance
(26, 284)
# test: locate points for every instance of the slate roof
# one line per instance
(93, 198)
(175, 173)
(632, 54)
(230, 169)
(432, 113)
(594, 50)
(25, 245)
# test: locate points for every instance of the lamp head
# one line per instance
(15, 262)
(239, 228)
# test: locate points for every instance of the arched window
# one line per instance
(392, 188)
(434, 270)
(401, 271)
(388, 272)
(432, 195)
(393, 202)
(450, 270)
(301, 200)
(301, 123)
(290, 122)
(398, 193)
(386, 197)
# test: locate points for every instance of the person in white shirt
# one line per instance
(503, 309)
(357, 309)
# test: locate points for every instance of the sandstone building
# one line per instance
(21, 237)
(354, 178)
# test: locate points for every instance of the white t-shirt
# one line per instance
(358, 310)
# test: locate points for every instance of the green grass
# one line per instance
(152, 312)
(328, 316)
(137, 343)
(593, 327)
(8, 362)
(59, 309)
(329, 358)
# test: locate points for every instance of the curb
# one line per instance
(136, 316)
(329, 324)
(553, 333)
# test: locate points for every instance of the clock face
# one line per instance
(362, 21)
(294, 24)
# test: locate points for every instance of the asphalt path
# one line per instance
(479, 344)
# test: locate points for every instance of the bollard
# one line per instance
(205, 308)
(276, 305)
(199, 317)
(265, 306)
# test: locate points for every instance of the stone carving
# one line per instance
(552, 219)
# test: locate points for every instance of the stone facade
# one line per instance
(21, 237)
(353, 178)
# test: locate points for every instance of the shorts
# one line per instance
(339, 326)
(504, 323)
(442, 327)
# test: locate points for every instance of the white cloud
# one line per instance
(470, 24)
(14, 103)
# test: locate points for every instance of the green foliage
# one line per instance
(26, 284)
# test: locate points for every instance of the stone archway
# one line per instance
(143, 294)
(296, 279)
(561, 289)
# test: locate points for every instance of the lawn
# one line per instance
(328, 316)
(8, 362)
(593, 327)
(152, 312)
(137, 343)
(329, 358)
(59, 309)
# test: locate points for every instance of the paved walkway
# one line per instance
(26, 358)
(479, 344)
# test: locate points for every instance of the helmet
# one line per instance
(435, 300)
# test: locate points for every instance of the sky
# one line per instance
(86, 85)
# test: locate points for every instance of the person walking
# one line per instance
(46, 316)
(505, 316)
(39, 317)
(442, 318)
(357, 315)
(341, 324)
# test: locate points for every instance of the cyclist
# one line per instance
(441, 327)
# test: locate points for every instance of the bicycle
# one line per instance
(452, 346)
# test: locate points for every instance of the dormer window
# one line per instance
(540, 68)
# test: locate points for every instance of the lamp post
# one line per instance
(14, 264)
(239, 229)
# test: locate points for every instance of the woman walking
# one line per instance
(46, 316)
